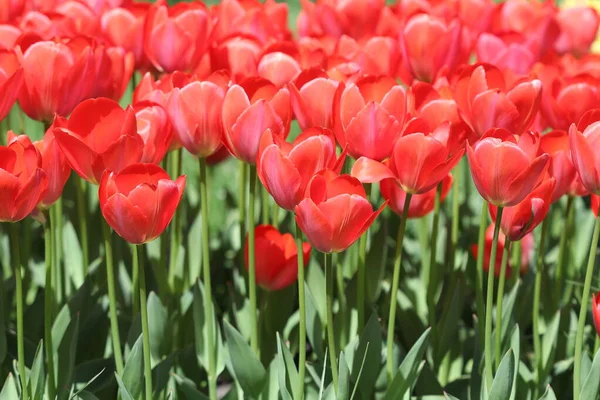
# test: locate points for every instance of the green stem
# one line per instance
(517, 251)
(252, 262)
(394, 291)
(112, 299)
(135, 281)
(243, 170)
(562, 252)
(432, 287)
(479, 270)
(57, 211)
(276, 210)
(489, 373)
(49, 305)
(499, 301)
(537, 344)
(362, 266)
(175, 237)
(328, 261)
(264, 202)
(80, 187)
(455, 219)
(208, 304)
(585, 297)
(139, 265)
(16, 259)
(302, 311)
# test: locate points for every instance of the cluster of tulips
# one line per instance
(405, 96)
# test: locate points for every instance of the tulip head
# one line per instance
(55, 165)
(584, 139)
(596, 311)
(154, 127)
(420, 204)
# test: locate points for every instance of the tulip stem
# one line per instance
(16, 260)
(243, 170)
(80, 187)
(264, 214)
(135, 281)
(517, 252)
(394, 291)
(57, 211)
(112, 299)
(302, 311)
(432, 253)
(208, 303)
(362, 265)
(328, 265)
(583, 311)
(499, 301)
(175, 237)
(139, 265)
(489, 373)
(537, 344)
(252, 262)
(479, 270)
(455, 221)
(562, 252)
(49, 303)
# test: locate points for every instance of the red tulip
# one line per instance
(506, 167)
(11, 80)
(124, 27)
(249, 109)
(486, 102)
(596, 311)
(278, 67)
(83, 20)
(158, 91)
(61, 84)
(556, 145)
(23, 182)
(524, 217)
(584, 140)
(527, 244)
(154, 128)
(175, 38)
(508, 52)
(285, 169)
(578, 29)
(276, 257)
(139, 202)
(371, 116)
(114, 69)
(238, 55)
(100, 136)
(10, 10)
(312, 96)
(335, 212)
(433, 103)
(420, 204)
(375, 56)
(55, 165)
(9, 36)
(430, 46)
(195, 111)
(420, 159)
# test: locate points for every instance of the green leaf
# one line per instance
(343, 379)
(194, 238)
(357, 381)
(9, 390)
(314, 325)
(88, 383)
(369, 352)
(591, 384)
(376, 259)
(287, 373)
(85, 395)
(503, 381)
(586, 366)
(65, 358)
(73, 254)
(201, 331)
(3, 348)
(448, 396)
(249, 371)
(189, 389)
(133, 373)
(549, 343)
(549, 394)
(508, 312)
(407, 374)
(515, 345)
(157, 325)
(123, 391)
(37, 376)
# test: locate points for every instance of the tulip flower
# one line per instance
(420, 159)
(237, 54)
(506, 167)
(420, 204)
(276, 257)
(100, 135)
(371, 116)
(81, 18)
(139, 201)
(286, 169)
(434, 104)
(23, 181)
(158, 91)
(63, 82)
(9, 36)
(115, 68)
(508, 52)
(278, 67)
(578, 29)
(376, 56)
(596, 311)
(154, 128)
(175, 38)
(11, 80)
(335, 212)
(10, 10)
(584, 139)
(485, 101)
(249, 109)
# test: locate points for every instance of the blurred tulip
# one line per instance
(124, 27)
(374, 56)
(371, 116)
(285, 169)
(249, 109)
(139, 202)
(584, 140)
(175, 38)
(506, 167)
(62, 83)
(527, 245)
(276, 257)
(47, 26)
(486, 102)
(55, 165)
(11, 81)
(578, 30)
(278, 67)
(10, 10)
(83, 20)
(23, 182)
(158, 91)
(596, 311)
(420, 204)
(9, 36)
(335, 212)
(100, 136)
(155, 129)
(420, 159)
(115, 67)
(433, 103)
(508, 52)
(237, 54)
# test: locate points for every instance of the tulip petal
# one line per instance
(584, 160)
(125, 218)
(80, 157)
(315, 225)
(280, 177)
(369, 171)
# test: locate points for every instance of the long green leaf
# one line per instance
(503, 381)
(344, 379)
(407, 374)
(133, 373)
(123, 391)
(65, 359)
(368, 352)
(591, 384)
(157, 325)
(37, 376)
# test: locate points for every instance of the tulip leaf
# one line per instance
(314, 326)
(376, 259)
(515, 345)
(586, 365)
(133, 373)
(508, 312)
(88, 383)
(189, 388)
(157, 325)
(37, 375)
(123, 391)
(201, 331)
(548, 394)
(3, 348)
(287, 373)
(9, 390)
(549, 343)
(407, 374)
(343, 379)
(249, 371)
(73, 254)
(591, 384)
(368, 352)
(503, 381)
(194, 238)
(65, 358)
